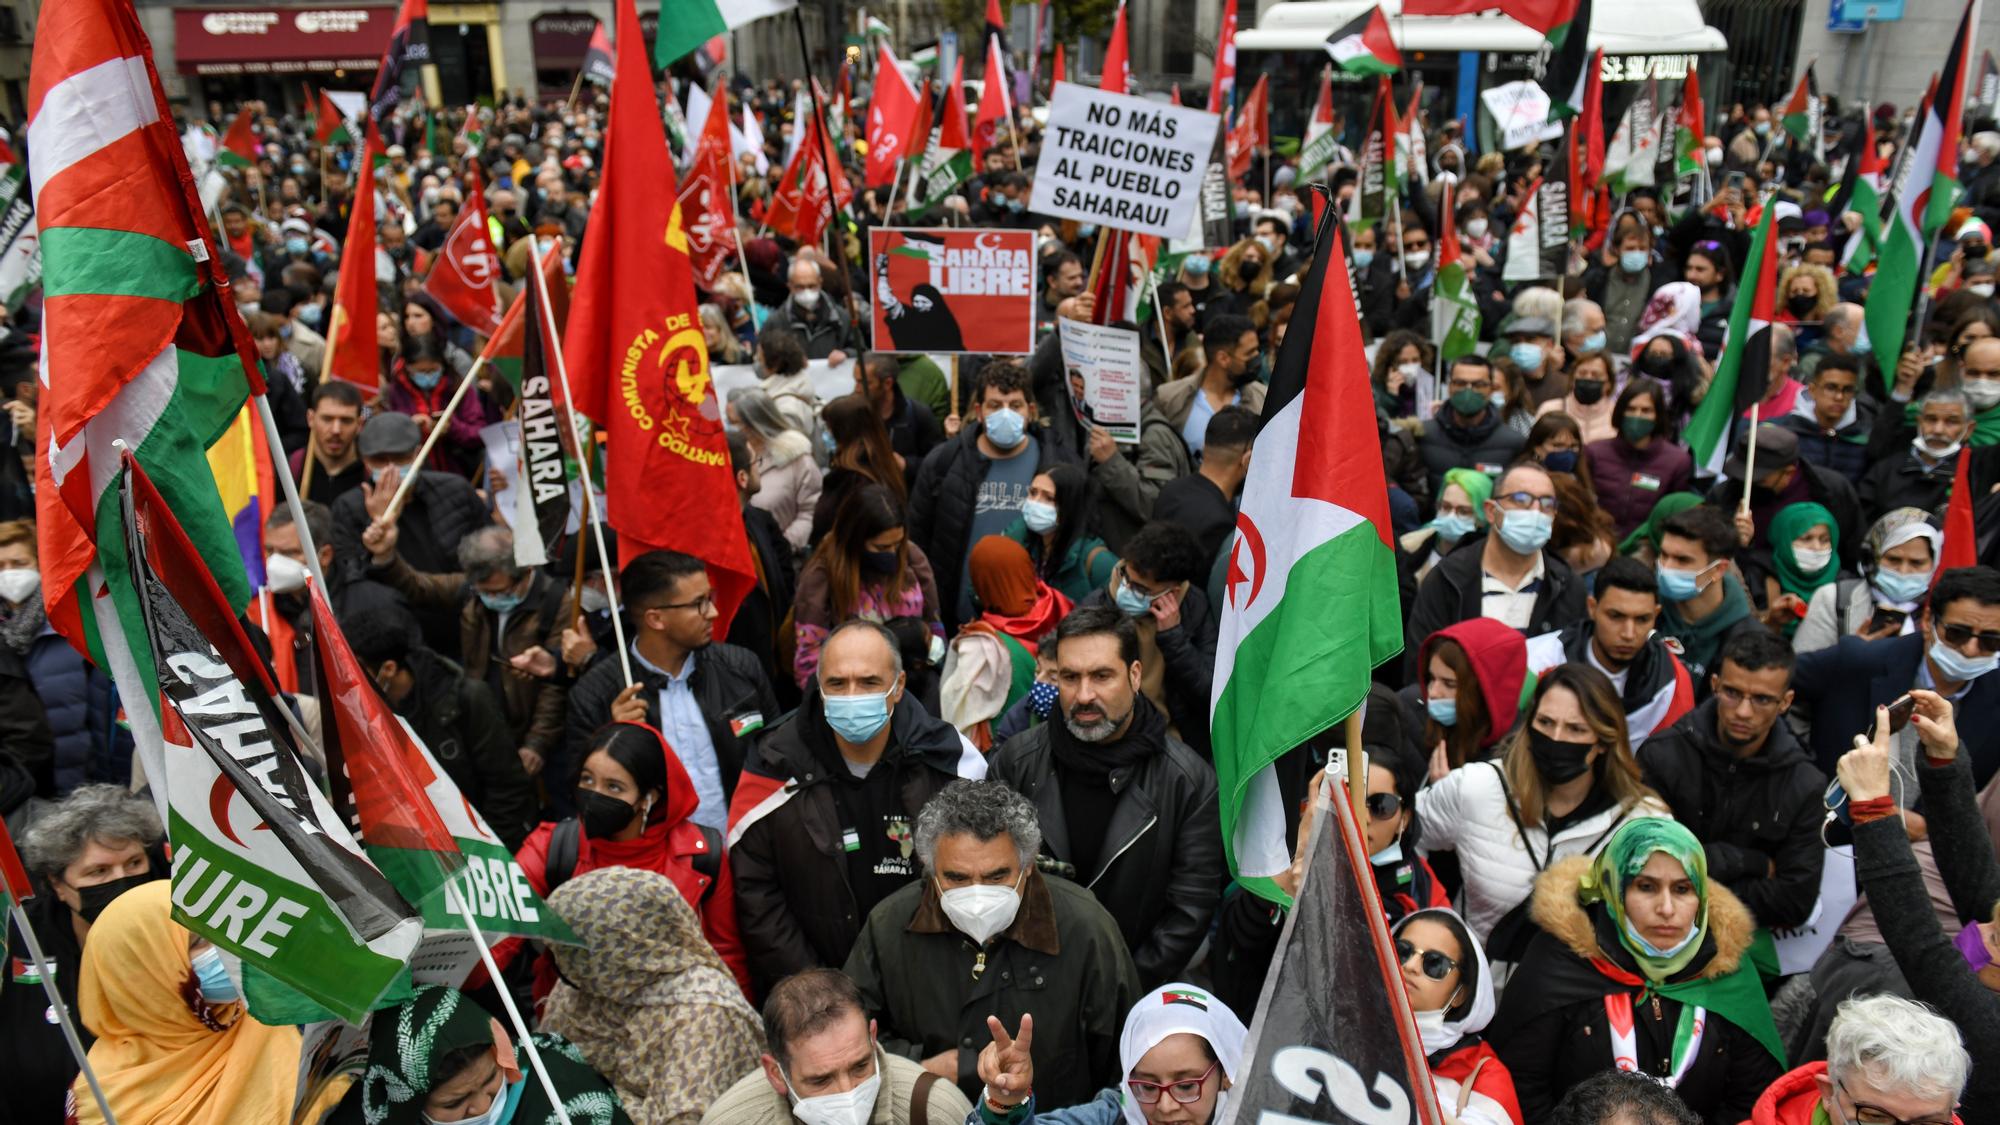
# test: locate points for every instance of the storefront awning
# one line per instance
(561, 38)
(281, 40)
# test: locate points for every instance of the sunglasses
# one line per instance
(1383, 806)
(1957, 635)
(1435, 965)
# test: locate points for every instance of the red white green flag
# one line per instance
(1321, 142)
(1363, 45)
(1689, 131)
(239, 145)
(329, 124)
(1743, 373)
(1454, 310)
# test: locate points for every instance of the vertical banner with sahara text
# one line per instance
(950, 290)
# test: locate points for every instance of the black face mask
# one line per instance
(1801, 305)
(879, 562)
(1249, 270)
(1558, 761)
(1656, 365)
(1588, 392)
(602, 817)
(92, 900)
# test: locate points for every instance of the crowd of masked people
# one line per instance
(928, 832)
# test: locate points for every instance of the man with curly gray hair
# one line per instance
(984, 940)
(1887, 1059)
(100, 842)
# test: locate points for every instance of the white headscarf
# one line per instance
(1176, 1009)
(1439, 1036)
(1675, 309)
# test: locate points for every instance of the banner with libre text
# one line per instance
(1122, 162)
(953, 290)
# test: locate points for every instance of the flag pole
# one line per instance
(47, 972)
(507, 1000)
(439, 425)
(291, 487)
(1160, 321)
(735, 213)
(1750, 454)
(540, 281)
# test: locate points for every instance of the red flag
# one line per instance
(635, 351)
(799, 206)
(1961, 541)
(1224, 82)
(1056, 72)
(706, 205)
(1251, 133)
(952, 133)
(352, 340)
(990, 125)
(330, 126)
(239, 145)
(891, 112)
(468, 265)
(1175, 96)
(1117, 76)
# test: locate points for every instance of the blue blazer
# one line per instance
(1844, 684)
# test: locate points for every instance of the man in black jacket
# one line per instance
(439, 510)
(1465, 432)
(1508, 576)
(1782, 480)
(1127, 810)
(761, 614)
(709, 699)
(1735, 775)
(457, 718)
(819, 829)
(974, 486)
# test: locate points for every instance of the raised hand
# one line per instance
(1005, 1064)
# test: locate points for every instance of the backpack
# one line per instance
(564, 840)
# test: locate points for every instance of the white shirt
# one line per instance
(1512, 606)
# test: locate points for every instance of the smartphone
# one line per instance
(1886, 618)
(1735, 180)
(1900, 712)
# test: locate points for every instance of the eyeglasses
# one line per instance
(1482, 386)
(1435, 965)
(1186, 1092)
(1865, 1114)
(1383, 806)
(1957, 635)
(1736, 698)
(1524, 500)
(701, 604)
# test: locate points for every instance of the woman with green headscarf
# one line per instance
(1642, 964)
(1460, 516)
(1804, 555)
(438, 1057)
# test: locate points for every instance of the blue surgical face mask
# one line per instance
(857, 718)
(1443, 711)
(311, 315)
(1957, 667)
(409, 470)
(297, 244)
(1633, 261)
(500, 603)
(426, 380)
(502, 1108)
(1594, 342)
(213, 977)
(1559, 460)
(1452, 527)
(1130, 601)
(1040, 517)
(1900, 587)
(1016, 206)
(1087, 230)
(1526, 356)
(1006, 427)
(1650, 950)
(1363, 259)
(1196, 265)
(1526, 531)
(1391, 854)
(1678, 585)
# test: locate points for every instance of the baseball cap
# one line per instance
(1777, 448)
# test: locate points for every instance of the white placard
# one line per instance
(1798, 948)
(1122, 162)
(1521, 111)
(1103, 376)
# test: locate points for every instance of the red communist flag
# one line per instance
(351, 348)
(706, 206)
(891, 112)
(635, 354)
(463, 280)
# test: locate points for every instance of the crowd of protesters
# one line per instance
(933, 831)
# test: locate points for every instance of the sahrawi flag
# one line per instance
(1634, 150)
(1862, 193)
(545, 497)
(1454, 311)
(1924, 203)
(409, 46)
(239, 145)
(947, 159)
(1743, 373)
(1363, 45)
(1802, 115)
(1321, 143)
(263, 866)
(1524, 241)
(687, 24)
(1689, 134)
(1311, 603)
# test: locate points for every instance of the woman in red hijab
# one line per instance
(633, 800)
(991, 663)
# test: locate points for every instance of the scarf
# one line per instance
(1792, 521)
(1669, 506)
(163, 1055)
(20, 627)
(1179, 1009)
(1145, 737)
(1621, 861)
(646, 998)
(406, 1041)
(1012, 598)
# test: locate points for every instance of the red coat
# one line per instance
(1492, 1086)
(1792, 1099)
(667, 846)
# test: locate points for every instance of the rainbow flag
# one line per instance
(241, 462)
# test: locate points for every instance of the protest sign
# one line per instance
(1122, 162)
(953, 290)
(1521, 112)
(1103, 377)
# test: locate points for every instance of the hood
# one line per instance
(1556, 909)
(681, 798)
(1499, 657)
(1792, 1099)
(786, 448)
(1483, 1003)
(1177, 1009)
(1485, 424)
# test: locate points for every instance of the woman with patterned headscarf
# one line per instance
(438, 1057)
(1899, 556)
(1643, 964)
(646, 999)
